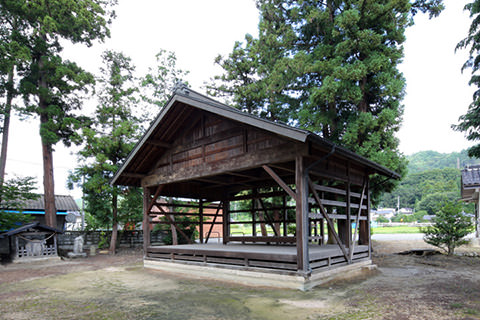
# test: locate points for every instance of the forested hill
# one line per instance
(432, 178)
(429, 160)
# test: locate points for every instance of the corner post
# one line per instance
(200, 227)
(226, 220)
(303, 263)
(146, 220)
(477, 219)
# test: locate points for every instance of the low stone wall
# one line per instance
(125, 239)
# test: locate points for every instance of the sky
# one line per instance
(437, 92)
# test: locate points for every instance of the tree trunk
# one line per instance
(48, 186)
(113, 239)
(47, 151)
(6, 126)
(451, 250)
(331, 237)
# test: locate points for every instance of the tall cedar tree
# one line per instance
(157, 84)
(470, 122)
(13, 52)
(51, 86)
(329, 67)
(108, 140)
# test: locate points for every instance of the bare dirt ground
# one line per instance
(117, 287)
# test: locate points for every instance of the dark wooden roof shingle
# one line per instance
(471, 176)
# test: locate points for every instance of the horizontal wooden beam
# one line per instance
(205, 169)
(258, 195)
(159, 143)
(133, 175)
(334, 203)
(312, 215)
(263, 239)
(336, 191)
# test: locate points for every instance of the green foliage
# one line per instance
(450, 228)
(107, 141)
(433, 202)
(469, 123)
(424, 189)
(130, 207)
(187, 224)
(52, 87)
(13, 194)
(157, 84)
(329, 67)
(382, 219)
(415, 217)
(104, 240)
(429, 160)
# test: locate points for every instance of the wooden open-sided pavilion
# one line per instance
(216, 157)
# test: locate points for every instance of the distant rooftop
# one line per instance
(62, 203)
(471, 176)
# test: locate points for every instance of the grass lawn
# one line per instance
(239, 230)
(396, 229)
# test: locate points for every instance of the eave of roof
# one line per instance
(25, 227)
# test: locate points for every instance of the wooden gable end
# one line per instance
(213, 145)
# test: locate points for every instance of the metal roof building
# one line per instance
(470, 191)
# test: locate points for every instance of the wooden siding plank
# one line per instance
(164, 175)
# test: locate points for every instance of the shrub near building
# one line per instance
(450, 228)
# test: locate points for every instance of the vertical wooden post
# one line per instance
(200, 228)
(55, 251)
(146, 220)
(349, 214)
(365, 234)
(254, 212)
(17, 248)
(226, 220)
(285, 215)
(173, 228)
(301, 213)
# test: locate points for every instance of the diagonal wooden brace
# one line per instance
(280, 182)
(167, 215)
(329, 221)
(154, 199)
(357, 220)
(213, 222)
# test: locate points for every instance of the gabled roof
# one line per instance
(470, 183)
(34, 225)
(185, 99)
(471, 176)
(62, 203)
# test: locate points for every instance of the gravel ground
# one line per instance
(118, 287)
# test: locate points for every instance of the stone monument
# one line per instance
(77, 248)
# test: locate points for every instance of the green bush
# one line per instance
(382, 219)
(449, 229)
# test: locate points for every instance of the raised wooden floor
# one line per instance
(277, 258)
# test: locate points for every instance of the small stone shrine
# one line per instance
(31, 241)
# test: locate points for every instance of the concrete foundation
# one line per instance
(264, 279)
